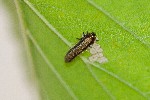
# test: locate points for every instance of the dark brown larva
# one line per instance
(87, 40)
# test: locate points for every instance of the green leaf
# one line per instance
(51, 28)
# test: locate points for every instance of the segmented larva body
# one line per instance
(87, 40)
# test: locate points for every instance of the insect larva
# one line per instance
(87, 40)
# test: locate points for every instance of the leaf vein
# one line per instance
(119, 23)
(98, 81)
(52, 67)
(120, 79)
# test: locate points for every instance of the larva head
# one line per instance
(91, 35)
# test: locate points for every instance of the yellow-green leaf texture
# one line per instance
(123, 29)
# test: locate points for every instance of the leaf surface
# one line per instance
(52, 28)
